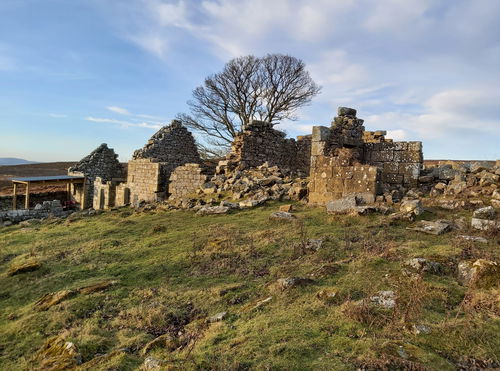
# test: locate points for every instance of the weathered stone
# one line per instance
(411, 206)
(289, 282)
(479, 166)
(286, 208)
(346, 111)
(424, 265)
(342, 206)
(385, 299)
(436, 228)
(213, 210)
(282, 216)
(481, 273)
(217, 317)
(426, 179)
(151, 363)
(165, 341)
(487, 213)
(473, 238)
(484, 224)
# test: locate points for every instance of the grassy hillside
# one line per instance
(173, 270)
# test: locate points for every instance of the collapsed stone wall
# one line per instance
(102, 162)
(259, 143)
(35, 198)
(149, 171)
(186, 179)
(43, 210)
(347, 160)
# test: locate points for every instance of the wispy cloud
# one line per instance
(120, 110)
(125, 124)
(58, 115)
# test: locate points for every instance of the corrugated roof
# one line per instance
(47, 178)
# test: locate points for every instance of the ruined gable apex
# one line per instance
(102, 162)
(172, 143)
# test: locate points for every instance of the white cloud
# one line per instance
(120, 110)
(412, 67)
(398, 134)
(57, 115)
(125, 124)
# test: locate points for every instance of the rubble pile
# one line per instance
(246, 188)
(458, 184)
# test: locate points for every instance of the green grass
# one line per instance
(175, 269)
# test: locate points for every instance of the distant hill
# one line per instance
(15, 161)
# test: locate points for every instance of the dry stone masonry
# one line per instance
(103, 163)
(149, 171)
(348, 161)
(186, 180)
(259, 143)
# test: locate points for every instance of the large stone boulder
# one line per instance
(342, 206)
(436, 228)
(213, 210)
(411, 206)
(484, 219)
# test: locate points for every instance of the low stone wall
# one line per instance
(35, 198)
(185, 180)
(46, 209)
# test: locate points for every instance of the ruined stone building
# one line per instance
(339, 160)
(101, 164)
(260, 143)
(347, 160)
(148, 173)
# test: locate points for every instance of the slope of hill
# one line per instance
(180, 291)
(14, 161)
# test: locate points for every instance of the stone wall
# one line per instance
(331, 181)
(122, 195)
(145, 180)
(186, 180)
(260, 143)
(35, 198)
(400, 162)
(371, 163)
(104, 194)
(103, 163)
(43, 210)
(149, 171)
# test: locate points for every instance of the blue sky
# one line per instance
(77, 73)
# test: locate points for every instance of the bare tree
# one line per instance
(270, 88)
